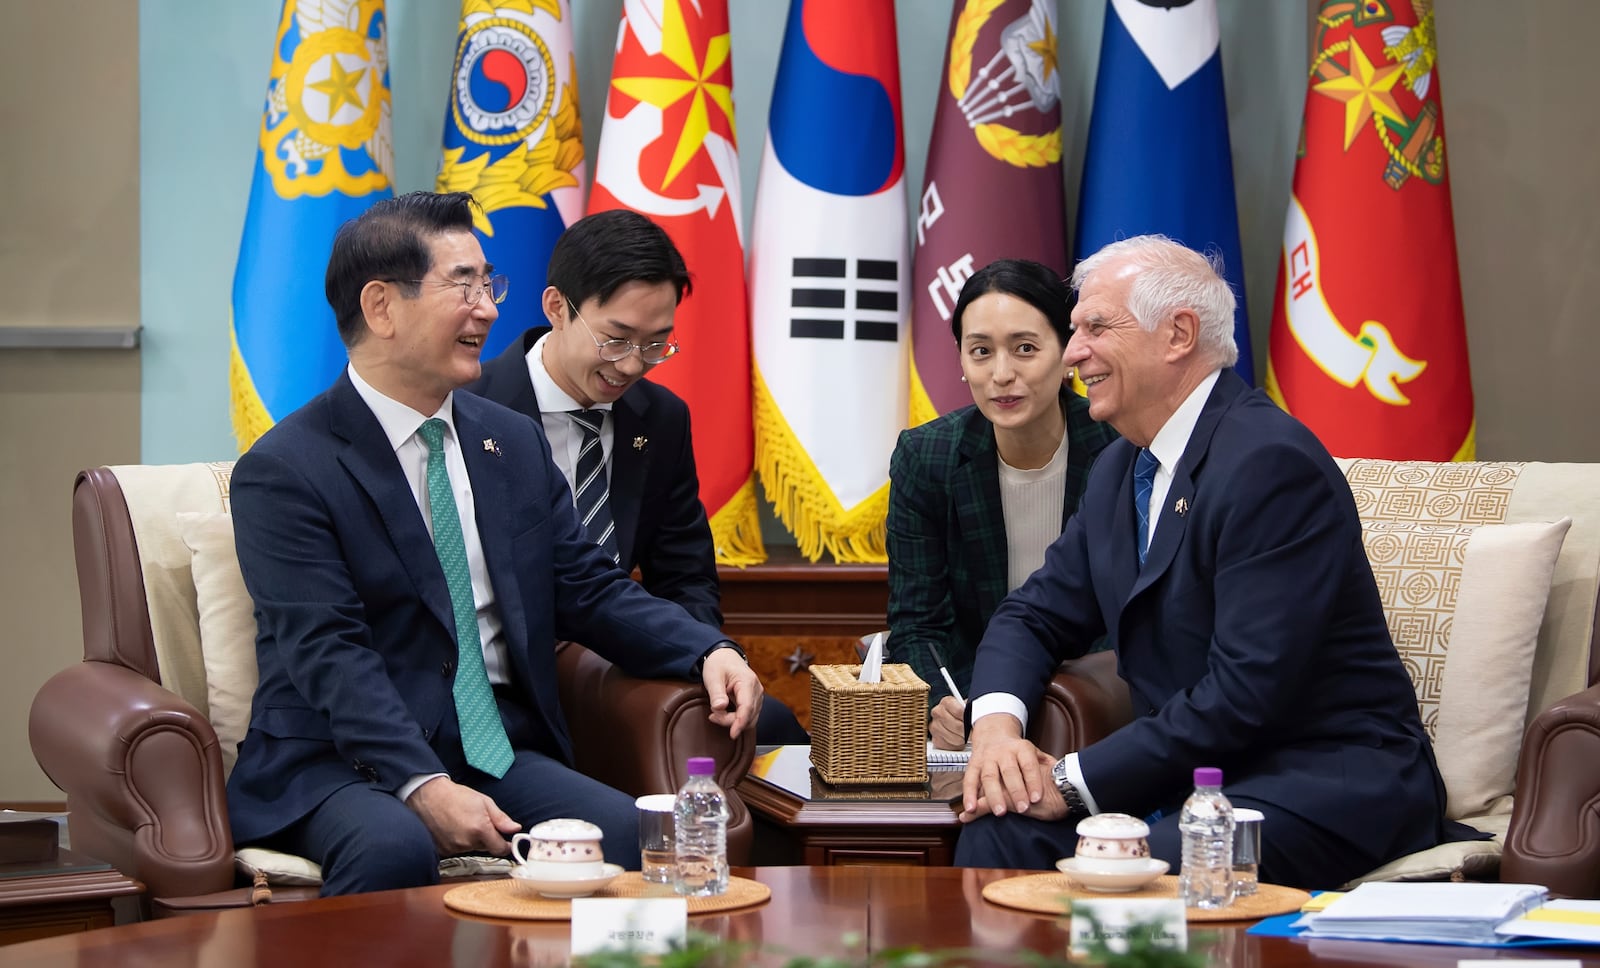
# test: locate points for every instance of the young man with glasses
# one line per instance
(614, 283)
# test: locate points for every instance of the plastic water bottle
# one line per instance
(1206, 878)
(700, 822)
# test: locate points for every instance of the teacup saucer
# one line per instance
(564, 887)
(1113, 881)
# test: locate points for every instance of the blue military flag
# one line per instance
(324, 155)
(512, 137)
(1158, 159)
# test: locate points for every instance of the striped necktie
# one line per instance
(591, 490)
(1144, 479)
(483, 735)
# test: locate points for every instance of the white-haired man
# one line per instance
(1217, 546)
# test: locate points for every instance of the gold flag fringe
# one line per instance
(922, 408)
(736, 528)
(250, 417)
(803, 500)
(1469, 447)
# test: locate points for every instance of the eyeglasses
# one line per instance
(617, 350)
(496, 286)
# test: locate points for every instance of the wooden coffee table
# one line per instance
(811, 911)
(802, 820)
(67, 893)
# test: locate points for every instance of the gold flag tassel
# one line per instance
(250, 417)
(802, 499)
(736, 528)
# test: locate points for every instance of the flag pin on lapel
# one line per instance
(490, 446)
(639, 442)
(1182, 506)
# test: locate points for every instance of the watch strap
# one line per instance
(700, 663)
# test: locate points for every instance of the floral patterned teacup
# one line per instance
(1113, 842)
(560, 849)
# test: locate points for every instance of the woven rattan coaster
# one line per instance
(499, 898)
(1047, 894)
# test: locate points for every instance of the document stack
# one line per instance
(1449, 913)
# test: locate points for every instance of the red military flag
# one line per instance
(993, 184)
(668, 150)
(1368, 342)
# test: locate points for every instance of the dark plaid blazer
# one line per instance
(947, 535)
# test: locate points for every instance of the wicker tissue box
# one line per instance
(869, 732)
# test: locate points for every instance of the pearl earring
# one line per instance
(963, 379)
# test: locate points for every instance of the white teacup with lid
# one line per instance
(1112, 843)
(560, 849)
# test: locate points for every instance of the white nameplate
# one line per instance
(1502, 963)
(649, 925)
(1115, 917)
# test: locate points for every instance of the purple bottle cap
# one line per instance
(1204, 776)
(703, 766)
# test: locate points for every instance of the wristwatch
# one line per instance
(700, 663)
(1076, 808)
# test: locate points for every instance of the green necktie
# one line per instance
(483, 736)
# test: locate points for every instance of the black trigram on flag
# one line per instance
(825, 298)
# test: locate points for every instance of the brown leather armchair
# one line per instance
(1552, 836)
(141, 764)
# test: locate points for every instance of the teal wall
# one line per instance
(203, 73)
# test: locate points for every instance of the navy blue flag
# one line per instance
(1158, 158)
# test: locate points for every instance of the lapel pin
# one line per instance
(1182, 506)
(490, 446)
(639, 442)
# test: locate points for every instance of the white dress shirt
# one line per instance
(400, 424)
(1168, 446)
(566, 439)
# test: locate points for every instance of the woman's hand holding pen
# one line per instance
(947, 727)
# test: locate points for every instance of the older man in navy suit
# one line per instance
(1218, 548)
(414, 555)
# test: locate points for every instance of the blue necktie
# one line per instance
(1144, 478)
(483, 735)
(591, 492)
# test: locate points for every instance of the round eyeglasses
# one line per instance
(496, 286)
(617, 350)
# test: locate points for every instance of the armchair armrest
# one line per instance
(1554, 838)
(637, 734)
(1085, 701)
(142, 774)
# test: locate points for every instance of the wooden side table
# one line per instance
(70, 893)
(801, 820)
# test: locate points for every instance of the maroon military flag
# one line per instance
(992, 188)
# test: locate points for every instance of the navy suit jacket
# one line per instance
(1253, 638)
(655, 491)
(356, 639)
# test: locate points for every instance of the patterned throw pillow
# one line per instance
(1464, 604)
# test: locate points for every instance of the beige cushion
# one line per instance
(290, 870)
(1496, 492)
(1464, 605)
(227, 627)
(155, 494)
(1475, 860)
(283, 869)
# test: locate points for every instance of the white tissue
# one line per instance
(872, 665)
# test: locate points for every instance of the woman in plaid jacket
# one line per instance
(977, 495)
